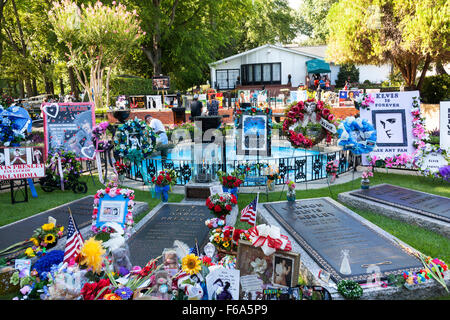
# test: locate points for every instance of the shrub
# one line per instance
(436, 89)
(345, 71)
(130, 86)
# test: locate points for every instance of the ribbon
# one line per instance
(99, 167)
(269, 239)
(60, 171)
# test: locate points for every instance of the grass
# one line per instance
(426, 241)
(14, 212)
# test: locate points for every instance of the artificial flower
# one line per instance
(124, 293)
(191, 264)
(92, 254)
(49, 238)
(111, 296)
(48, 226)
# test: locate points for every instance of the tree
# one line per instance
(98, 37)
(403, 32)
(312, 19)
(347, 71)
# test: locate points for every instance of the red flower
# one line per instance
(228, 207)
(325, 112)
(217, 208)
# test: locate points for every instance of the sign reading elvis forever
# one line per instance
(324, 230)
(68, 126)
(21, 163)
(392, 119)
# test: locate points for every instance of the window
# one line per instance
(226, 79)
(267, 73)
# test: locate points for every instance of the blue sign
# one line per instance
(112, 210)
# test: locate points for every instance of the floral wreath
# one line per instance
(422, 153)
(350, 289)
(303, 116)
(135, 140)
(262, 108)
(71, 167)
(113, 191)
(357, 135)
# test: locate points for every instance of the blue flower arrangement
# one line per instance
(134, 140)
(45, 263)
(14, 121)
(357, 135)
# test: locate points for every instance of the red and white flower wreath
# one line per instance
(299, 114)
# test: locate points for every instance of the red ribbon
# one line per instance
(271, 242)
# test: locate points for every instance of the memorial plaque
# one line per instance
(324, 230)
(426, 204)
(171, 222)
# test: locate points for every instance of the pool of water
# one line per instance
(213, 153)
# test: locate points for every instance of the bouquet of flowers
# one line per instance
(165, 178)
(44, 237)
(290, 184)
(367, 174)
(221, 204)
(230, 181)
(363, 101)
(227, 238)
(121, 168)
(332, 167)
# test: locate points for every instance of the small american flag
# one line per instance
(74, 240)
(248, 214)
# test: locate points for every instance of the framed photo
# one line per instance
(253, 136)
(391, 127)
(346, 97)
(252, 261)
(112, 210)
(161, 83)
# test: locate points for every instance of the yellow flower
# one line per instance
(35, 241)
(92, 254)
(49, 238)
(61, 229)
(48, 226)
(226, 244)
(191, 264)
(111, 296)
(29, 252)
(217, 239)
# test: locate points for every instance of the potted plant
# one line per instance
(365, 182)
(230, 182)
(221, 204)
(163, 183)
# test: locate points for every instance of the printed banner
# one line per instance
(21, 163)
(68, 126)
(445, 125)
(392, 119)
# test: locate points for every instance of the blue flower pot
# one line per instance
(233, 191)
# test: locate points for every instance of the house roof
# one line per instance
(286, 48)
(314, 50)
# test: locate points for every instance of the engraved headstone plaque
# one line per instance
(429, 205)
(324, 231)
(171, 222)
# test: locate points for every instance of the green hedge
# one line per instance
(130, 86)
(436, 89)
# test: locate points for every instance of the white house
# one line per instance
(272, 65)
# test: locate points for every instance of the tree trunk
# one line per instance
(28, 88)
(61, 86)
(35, 91)
(424, 72)
(21, 90)
(440, 68)
(73, 83)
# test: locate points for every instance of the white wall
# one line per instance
(375, 74)
(295, 65)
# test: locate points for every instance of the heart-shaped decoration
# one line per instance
(51, 110)
(88, 152)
